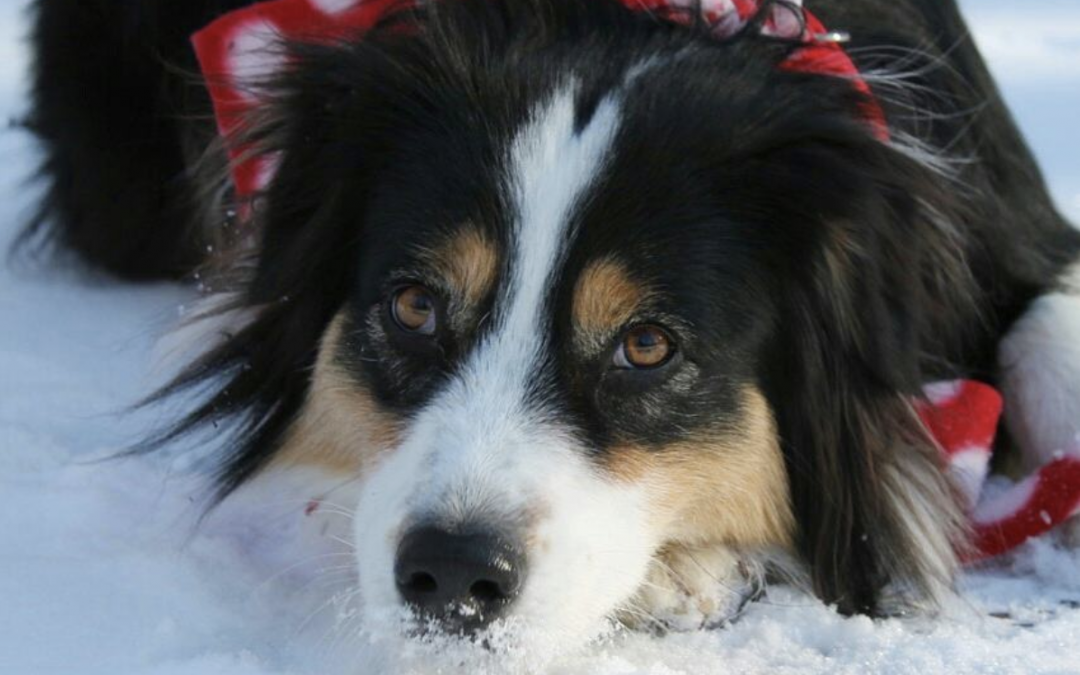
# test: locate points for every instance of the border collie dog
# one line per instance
(601, 318)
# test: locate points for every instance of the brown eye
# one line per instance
(413, 308)
(645, 347)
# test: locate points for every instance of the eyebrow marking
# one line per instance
(606, 297)
(467, 261)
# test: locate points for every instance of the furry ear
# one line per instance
(328, 125)
(877, 298)
(876, 516)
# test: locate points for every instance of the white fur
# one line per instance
(485, 452)
(1040, 363)
(931, 524)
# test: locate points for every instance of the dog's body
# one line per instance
(597, 312)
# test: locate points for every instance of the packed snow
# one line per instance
(106, 569)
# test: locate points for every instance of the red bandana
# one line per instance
(237, 50)
(962, 417)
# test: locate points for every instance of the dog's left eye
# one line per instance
(644, 347)
(414, 310)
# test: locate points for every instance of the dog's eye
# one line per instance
(414, 311)
(644, 347)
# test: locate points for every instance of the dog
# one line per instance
(603, 318)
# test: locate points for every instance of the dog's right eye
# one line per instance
(414, 310)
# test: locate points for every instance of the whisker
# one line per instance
(306, 561)
(337, 598)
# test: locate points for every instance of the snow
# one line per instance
(104, 568)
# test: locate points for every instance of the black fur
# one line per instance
(121, 123)
(836, 272)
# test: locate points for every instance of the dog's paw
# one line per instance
(692, 588)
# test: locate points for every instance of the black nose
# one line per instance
(465, 581)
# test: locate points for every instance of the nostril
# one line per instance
(487, 592)
(421, 582)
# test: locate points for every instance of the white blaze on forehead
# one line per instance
(551, 170)
(487, 418)
(481, 453)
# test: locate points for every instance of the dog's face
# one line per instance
(560, 365)
(578, 312)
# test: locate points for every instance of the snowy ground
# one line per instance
(102, 571)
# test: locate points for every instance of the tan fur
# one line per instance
(729, 489)
(468, 262)
(341, 428)
(606, 298)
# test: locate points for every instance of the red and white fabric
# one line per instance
(962, 417)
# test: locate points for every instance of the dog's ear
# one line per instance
(875, 286)
(328, 126)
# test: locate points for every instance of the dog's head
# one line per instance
(569, 291)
